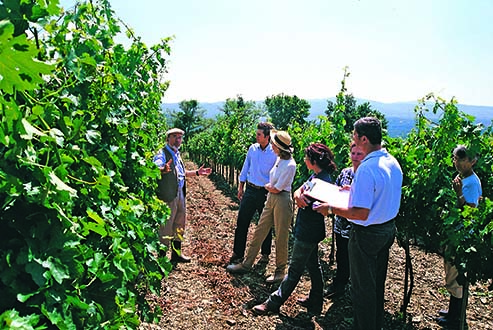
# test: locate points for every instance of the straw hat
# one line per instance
(282, 140)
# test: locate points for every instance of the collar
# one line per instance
(376, 153)
(267, 147)
(172, 149)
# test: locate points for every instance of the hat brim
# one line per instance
(274, 142)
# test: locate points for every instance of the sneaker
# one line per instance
(264, 309)
(238, 269)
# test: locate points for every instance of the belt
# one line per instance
(375, 225)
(254, 186)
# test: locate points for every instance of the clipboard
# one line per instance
(327, 193)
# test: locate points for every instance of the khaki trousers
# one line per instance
(451, 284)
(174, 229)
(277, 212)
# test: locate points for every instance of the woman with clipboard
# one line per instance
(308, 232)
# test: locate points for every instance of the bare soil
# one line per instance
(202, 295)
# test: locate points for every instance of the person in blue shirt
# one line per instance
(309, 230)
(467, 187)
(172, 190)
(252, 194)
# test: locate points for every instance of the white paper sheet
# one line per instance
(327, 193)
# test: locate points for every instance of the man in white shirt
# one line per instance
(373, 204)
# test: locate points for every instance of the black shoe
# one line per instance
(177, 255)
(314, 311)
(180, 259)
(333, 292)
(264, 309)
(235, 259)
(450, 324)
(305, 302)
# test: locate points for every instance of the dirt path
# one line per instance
(202, 295)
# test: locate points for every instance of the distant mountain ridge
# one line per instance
(400, 115)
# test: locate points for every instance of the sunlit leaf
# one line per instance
(18, 67)
(60, 185)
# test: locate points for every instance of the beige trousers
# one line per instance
(174, 229)
(451, 273)
(277, 212)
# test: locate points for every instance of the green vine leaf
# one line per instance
(30, 130)
(60, 185)
(18, 66)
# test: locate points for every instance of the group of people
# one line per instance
(364, 229)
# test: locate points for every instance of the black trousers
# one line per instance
(253, 200)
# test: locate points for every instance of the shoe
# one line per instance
(314, 311)
(305, 302)
(180, 259)
(264, 259)
(333, 292)
(235, 259)
(441, 320)
(177, 255)
(238, 269)
(275, 278)
(451, 319)
(264, 309)
(443, 312)
(449, 324)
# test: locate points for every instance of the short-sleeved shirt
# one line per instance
(471, 189)
(310, 225)
(281, 176)
(377, 187)
(341, 225)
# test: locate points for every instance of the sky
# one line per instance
(395, 50)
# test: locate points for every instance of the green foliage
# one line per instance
(470, 238)
(353, 112)
(227, 141)
(79, 118)
(428, 214)
(20, 70)
(285, 110)
(79, 214)
(190, 118)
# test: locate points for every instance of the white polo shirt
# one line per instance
(377, 187)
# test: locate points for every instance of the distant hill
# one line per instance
(400, 115)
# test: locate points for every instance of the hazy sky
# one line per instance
(396, 50)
